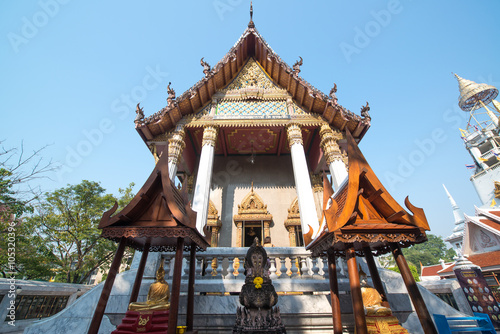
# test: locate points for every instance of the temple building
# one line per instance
(253, 151)
(478, 236)
(250, 139)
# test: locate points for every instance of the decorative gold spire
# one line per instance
(251, 24)
(473, 95)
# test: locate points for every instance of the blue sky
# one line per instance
(72, 72)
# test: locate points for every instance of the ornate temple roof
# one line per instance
(471, 93)
(251, 45)
(363, 213)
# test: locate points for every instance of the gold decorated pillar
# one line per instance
(267, 229)
(291, 235)
(308, 218)
(175, 147)
(333, 155)
(205, 168)
(214, 242)
(239, 233)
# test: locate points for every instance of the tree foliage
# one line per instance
(65, 223)
(413, 269)
(18, 170)
(429, 252)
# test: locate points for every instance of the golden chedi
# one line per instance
(158, 295)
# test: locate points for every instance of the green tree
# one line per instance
(65, 223)
(18, 170)
(429, 252)
(413, 269)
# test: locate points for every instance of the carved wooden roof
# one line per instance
(251, 44)
(158, 214)
(363, 213)
(252, 207)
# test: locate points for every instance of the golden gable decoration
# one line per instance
(293, 218)
(213, 215)
(251, 76)
(252, 208)
(214, 223)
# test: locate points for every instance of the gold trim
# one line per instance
(293, 218)
(329, 143)
(294, 134)
(251, 76)
(209, 136)
(252, 208)
(176, 145)
(317, 182)
(213, 215)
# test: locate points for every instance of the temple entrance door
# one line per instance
(253, 220)
(252, 230)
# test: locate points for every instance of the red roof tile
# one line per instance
(490, 223)
(433, 270)
(483, 260)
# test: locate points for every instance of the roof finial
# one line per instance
(251, 24)
(473, 95)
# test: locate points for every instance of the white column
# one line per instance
(175, 147)
(305, 197)
(333, 156)
(205, 167)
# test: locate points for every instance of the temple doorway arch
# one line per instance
(253, 220)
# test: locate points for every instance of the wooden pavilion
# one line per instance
(159, 218)
(364, 220)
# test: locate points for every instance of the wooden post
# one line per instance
(176, 288)
(377, 282)
(411, 286)
(334, 294)
(106, 290)
(357, 300)
(140, 274)
(190, 301)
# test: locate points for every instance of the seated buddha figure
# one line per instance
(372, 300)
(158, 295)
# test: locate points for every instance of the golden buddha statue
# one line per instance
(379, 319)
(158, 295)
(372, 300)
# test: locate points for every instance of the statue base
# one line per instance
(384, 324)
(258, 321)
(143, 322)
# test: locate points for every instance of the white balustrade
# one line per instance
(227, 263)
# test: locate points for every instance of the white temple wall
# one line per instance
(273, 181)
(482, 241)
